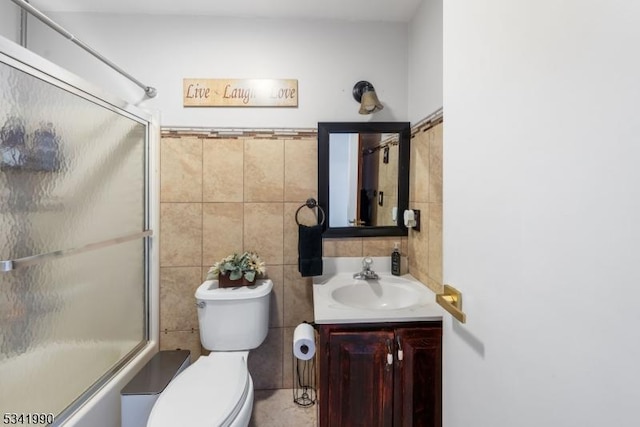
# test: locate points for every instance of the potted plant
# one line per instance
(237, 270)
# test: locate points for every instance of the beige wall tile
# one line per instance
(223, 170)
(177, 300)
(419, 168)
(263, 170)
(182, 340)
(298, 297)
(205, 271)
(342, 247)
(300, 169)
(263, 231)
(405, 246)
(265, 362)
(435, 242)
(276, 317)
(181, 170)
(435, 165)
(306, 216)
(419, 245)
(380, 246)
(425, 248)
(181, 231)
(434, 285)
(222, 231)
(287, 351)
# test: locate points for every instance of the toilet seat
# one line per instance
(209, 393)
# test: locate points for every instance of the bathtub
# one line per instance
(51, 388)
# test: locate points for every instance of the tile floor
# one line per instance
(275, 408)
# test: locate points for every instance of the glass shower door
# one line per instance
(73, 246)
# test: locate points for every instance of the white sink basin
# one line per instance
(339, 298)
(376, 295)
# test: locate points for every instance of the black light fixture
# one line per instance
(365, 94)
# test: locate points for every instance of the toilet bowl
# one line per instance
(217, 390)
(214, 391)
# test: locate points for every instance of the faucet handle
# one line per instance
(367, 262)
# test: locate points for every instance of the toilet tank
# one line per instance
(233, 319)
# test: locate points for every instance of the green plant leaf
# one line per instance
(250, 275)
(235, 275)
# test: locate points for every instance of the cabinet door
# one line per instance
(361, 381)
(418, 380)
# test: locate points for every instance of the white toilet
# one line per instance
(217, 390)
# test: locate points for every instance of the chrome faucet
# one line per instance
(367, 273)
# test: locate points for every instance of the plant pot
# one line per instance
(225, 282)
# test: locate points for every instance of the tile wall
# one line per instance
(425, 194)
(221, 195)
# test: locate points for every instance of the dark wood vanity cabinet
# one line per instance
(380, 375)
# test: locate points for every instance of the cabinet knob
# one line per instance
(400, 352)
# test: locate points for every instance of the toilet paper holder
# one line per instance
(304, 367)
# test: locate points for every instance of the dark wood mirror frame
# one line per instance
(403, 129)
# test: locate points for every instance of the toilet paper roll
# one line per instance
(304, 341)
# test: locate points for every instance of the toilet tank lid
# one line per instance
(210, 291)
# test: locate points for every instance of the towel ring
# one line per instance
(311, 203)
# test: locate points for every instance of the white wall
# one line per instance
(541, 209)
(10, 21)
(326, 57)
(425, 61)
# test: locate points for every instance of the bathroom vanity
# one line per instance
(380, 374)
(379, 352)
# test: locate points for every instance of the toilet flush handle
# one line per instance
(201, 304)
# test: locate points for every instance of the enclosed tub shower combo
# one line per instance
(75, 245)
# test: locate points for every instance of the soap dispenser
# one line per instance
(395, 260)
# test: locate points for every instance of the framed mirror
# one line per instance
(363, 177)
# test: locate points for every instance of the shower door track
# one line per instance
(14, 264)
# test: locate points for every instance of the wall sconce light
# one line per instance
(365, 94)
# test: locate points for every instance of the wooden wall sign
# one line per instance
(240, 92)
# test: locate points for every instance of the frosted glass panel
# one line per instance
(72, 173)
(66, 323)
